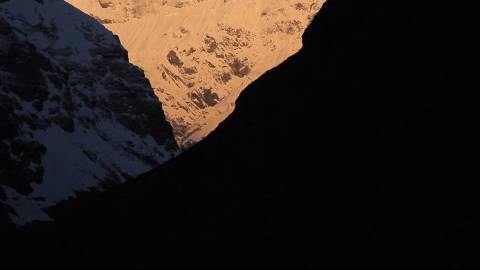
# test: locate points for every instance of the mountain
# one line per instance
(75, 114)
(199, 55)
(355, 153)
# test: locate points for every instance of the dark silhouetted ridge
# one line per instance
(353, 153)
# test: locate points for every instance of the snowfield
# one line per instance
(76, 115)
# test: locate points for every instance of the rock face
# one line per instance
(75, 115)
(199, 55)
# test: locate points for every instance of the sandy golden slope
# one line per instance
(200, 54)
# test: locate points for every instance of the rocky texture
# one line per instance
(74, 113)
(199, 55)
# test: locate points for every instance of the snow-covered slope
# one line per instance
(75, 115)
(200, 54)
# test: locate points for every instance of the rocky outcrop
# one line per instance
(75, 115)
(199, 55)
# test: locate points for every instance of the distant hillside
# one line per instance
(199, 55)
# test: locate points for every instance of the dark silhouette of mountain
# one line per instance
(353, 153)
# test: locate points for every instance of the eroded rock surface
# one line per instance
(200, 54)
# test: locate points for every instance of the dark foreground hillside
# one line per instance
(353, 154)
